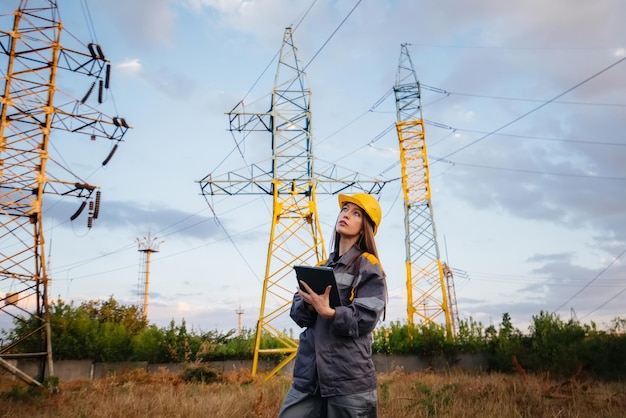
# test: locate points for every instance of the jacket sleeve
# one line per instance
(300, 312)
(361, 316)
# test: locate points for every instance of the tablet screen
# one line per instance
(318, 279)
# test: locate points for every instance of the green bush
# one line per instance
(603, 354)
(555, 346)
(398, 339)
(427, 340)
(471, 337)
(238, 347)
(149, 345)
(113, 343)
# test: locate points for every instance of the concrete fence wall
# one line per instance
(67, 370)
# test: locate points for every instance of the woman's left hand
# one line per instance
(320, 303)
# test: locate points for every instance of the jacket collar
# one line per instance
(349, 257)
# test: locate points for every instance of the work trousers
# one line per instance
(304, 405)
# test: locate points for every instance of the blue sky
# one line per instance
(525, 108)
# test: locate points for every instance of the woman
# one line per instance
(334, 373)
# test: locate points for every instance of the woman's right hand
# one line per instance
(320, 303)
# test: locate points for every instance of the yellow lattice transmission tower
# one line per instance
(295, 235)
(33, 111)
(429, 281)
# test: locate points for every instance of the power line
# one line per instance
(371, 109)
(306, 13)
(332, 34)
(537, 107)
(128, 246)
(542, 138)
(314, 56)
(230, 238)
(529, 278)
(89, 20)
(161, 232)
(519, 170)
(515, 48)
(605, 303)
(69, 267)
(517, 99)
(592, 280)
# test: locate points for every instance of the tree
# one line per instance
(504, 343)
(130, 316)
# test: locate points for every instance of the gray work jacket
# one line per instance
(335, 356)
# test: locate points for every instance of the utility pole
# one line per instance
(239, 313)
(33, 59)
(293, 183)
(429, 282)
(147, 246)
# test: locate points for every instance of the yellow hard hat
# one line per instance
(367, 202)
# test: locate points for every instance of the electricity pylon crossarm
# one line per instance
(293, 183)
(426, 281)
(30, 112)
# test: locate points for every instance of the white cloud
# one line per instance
(132, 66)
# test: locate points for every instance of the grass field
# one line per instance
(425, 394)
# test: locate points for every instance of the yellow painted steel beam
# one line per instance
(426, 283)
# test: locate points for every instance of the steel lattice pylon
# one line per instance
(429, 282)
(30, 111)
(295, 235)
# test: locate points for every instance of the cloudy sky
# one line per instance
(525, 109)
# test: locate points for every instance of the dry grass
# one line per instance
(424, 394)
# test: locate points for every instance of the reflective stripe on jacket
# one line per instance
(335, 355)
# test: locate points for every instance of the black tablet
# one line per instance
(318, 279)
